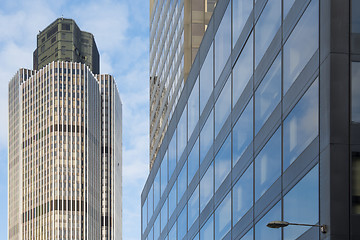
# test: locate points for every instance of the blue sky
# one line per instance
(121, 32)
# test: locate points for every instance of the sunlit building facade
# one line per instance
(266, 128)
(176, 31)
(65, 155)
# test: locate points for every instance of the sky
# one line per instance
(121, 31)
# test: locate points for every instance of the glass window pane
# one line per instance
(243, 195)
(243, 132)
(287, 6)
(249, 235)
(172, 200)
(193, 161)
(182, 182)
(241, 12)
(262, 232)
(355, 182)
(172, 232)
(182, 226)
(223, 106)
(144, 216)
(172, 155)
(207, 231)
(223, 43)
(268, 165)
(355, 92)
(157, 227)
(243, 70)
(193, 108)
(156, 189)
(268, 94)
(223, 162)
(164, 175)
(151, 234)
(206, 136)
(207, 187)
(266, 28)
(302, 44)
(301, 126)
(301, 204)
(181, 133)
(164, 211)
(223, 217)
(150, 203)
(206, 79)
(197, 237)
(193, 207)
(355, 15)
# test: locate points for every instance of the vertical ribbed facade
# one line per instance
(54, 152)
(111, 161)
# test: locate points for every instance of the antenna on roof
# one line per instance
(62, 17)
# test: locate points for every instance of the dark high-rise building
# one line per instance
(63, 40)
(266, 127)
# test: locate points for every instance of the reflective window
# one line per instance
(302, 44)
(157, 227)
(355, 182)
(301, 126)
(181, 133)
(197, 237)
(193, 161)
(266, 28)
(355, 15)
(268, 165)
(241, 12)
(172, 232)
(262, 232)
(249, 235)
(243, 70)
(223, 162)
(243, 195)
(150, 203)
(164, 211)
(151, 234)
(301, 204)
(193, 108)
(172, 154)
(206, 136)
(223, 43)
(182, 226)
(144, 216)
(193, 210)
(268, 94)
(207, 187)
(156, 189)
(164, 175)
(287, 6)
(243, 132)
(182, 182)
(223, 217)
(172, 200)
(207, 231)
(206, 79)
(223, 106)
(355, 91)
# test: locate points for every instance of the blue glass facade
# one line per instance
(247, 142)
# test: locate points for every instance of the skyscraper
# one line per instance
(64, 151)
(266, 128)
(176, 30)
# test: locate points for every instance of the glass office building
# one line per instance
(266, 128)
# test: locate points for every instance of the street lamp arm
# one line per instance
(281, 224)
